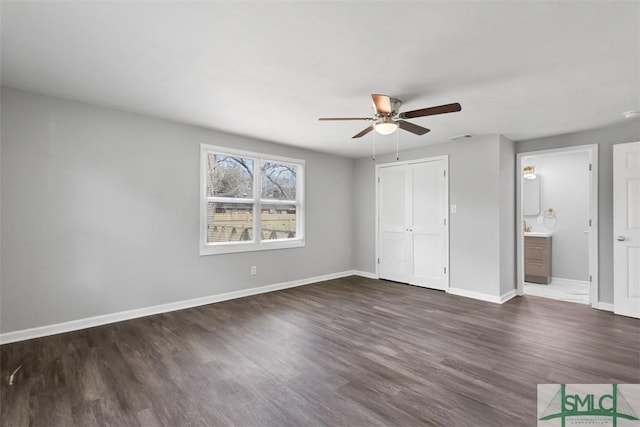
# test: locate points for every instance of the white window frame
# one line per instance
(257, 244)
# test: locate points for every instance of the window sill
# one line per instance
(250, 247)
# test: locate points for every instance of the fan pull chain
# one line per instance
(374, 146)
(397, 144)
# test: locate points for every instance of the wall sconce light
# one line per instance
(529, 172)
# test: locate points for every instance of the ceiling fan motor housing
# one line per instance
(395, 107)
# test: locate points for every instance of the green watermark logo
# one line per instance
(588, 404)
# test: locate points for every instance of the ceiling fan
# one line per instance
(387, 119)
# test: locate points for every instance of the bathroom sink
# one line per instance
(537, 234)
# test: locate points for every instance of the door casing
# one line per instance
(592, 149)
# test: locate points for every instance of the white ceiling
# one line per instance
(269, 69)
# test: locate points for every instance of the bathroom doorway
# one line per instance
(557, 239)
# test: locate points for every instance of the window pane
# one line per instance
(278, 222)
(229, 176)
(278, 181)
(229, 222)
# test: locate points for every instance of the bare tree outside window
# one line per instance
(229, 176)
(279, 181)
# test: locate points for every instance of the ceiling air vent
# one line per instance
(465, 136)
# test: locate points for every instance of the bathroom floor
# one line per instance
(559, 289)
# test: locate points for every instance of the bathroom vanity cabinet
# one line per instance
(537, 259)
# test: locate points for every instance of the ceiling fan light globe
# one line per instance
(386, 127)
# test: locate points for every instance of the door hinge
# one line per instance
(445, 221)
(589, 223)
(378, 180)
(444, 173)
(590, 166)
(378, 260)
(590, 278)
(445, 270)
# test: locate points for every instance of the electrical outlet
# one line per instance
(254, 270)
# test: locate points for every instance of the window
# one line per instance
(249, 201)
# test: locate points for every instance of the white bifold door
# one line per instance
(412, 223)
(626, 229)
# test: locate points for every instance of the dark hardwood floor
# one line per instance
(351, 351)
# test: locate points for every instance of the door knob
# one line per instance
(621, 238)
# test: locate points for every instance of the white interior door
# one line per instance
(626, 229)
(412, 209)
(428, 230)
(393, 196)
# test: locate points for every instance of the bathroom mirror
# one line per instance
(531, 196)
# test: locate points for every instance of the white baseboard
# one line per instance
(605, 306)
(365, 274)
(89, 322)
(508, 295)
(483, 297)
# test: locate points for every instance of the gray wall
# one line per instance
(627, 131)
(100, 214)
(484, 217)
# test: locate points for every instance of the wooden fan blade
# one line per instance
(345, 118)
(363, 132)
(418, 130)
(382, 103)
(431, 111)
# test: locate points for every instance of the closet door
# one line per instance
(428, 228)
(393, 197)
(412, 215)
